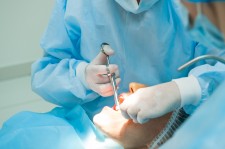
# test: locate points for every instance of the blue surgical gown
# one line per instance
(149, 47)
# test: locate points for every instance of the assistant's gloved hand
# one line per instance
(95, 73)
(151, 102)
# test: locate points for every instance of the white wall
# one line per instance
(22, 23)
(16, 96)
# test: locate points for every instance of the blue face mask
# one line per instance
(203, 30)
(134, 7)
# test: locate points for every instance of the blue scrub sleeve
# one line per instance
(54, 76)
(209, 75)
(209, 78)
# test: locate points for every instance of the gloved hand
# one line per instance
(95, 73)
(151, 102)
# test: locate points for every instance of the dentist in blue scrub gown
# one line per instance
(148, 43)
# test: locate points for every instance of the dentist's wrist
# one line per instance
(80, 73)
(190, 90)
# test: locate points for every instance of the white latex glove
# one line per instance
(95, 73)
(151, 102)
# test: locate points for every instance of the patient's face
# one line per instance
(126, 132)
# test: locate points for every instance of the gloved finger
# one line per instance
(124, 114)
(102, 69)
(124, 107)
(117, 73)
(118, 80)
(132, 112)
(104, 89)
(106, 94)
(143, 116)
(101, 58)
(135, 121)
(102, 79)
(142, 121)
(106, 81)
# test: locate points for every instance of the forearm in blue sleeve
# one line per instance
(54, 76)
(209, 78)
(56, 81)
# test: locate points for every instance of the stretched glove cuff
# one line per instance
(80, 73)
(190, 90)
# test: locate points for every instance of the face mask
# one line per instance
(134, 7)
(203, 30)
